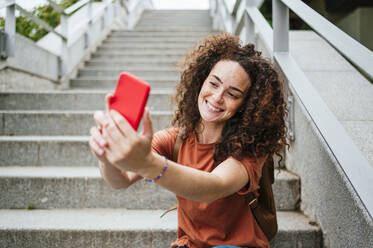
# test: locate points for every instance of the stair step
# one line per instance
(130, 65)
(136, 54)
(154, 27)
(139, 72)
(151, 52)
(111, 82)
(147, 46)
(60, 122)
(123, 228)
(152, 39)
(74, 100)
(78, 187)
(193, 25)
(134, 33)
(141, 60)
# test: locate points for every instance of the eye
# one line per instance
(232, 95)
(214, 84)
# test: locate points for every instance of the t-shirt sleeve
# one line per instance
(254, 171)
(163, 142)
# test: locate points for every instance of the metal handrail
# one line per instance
(76, 6)
(70, 9)
(265, 30)
(6, 3)
(335, 136)
(40, 22)
(358, 54)
(235, 7)
(330, 128)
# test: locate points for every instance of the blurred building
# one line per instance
(355, 17)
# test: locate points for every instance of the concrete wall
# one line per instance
(32, 69)
(327, 195)
(16, 80)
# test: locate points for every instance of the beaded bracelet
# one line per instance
(160, 175)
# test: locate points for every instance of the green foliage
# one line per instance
(30, 207)
(46, 13)
(2, 21)
(29, 28)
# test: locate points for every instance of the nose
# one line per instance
(218, 96)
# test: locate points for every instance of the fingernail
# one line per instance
(102, 142)
(100, 151)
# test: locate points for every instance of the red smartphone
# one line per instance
(130, 97)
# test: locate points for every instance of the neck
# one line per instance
(208, 133)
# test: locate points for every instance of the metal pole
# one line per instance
(65, 48)
(280, 13)
(90, 26)
(249, 24)
(10, 30)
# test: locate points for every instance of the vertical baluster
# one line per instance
(90, 24)
(10, 29)
(280, 13)
(249, 24)
(65, 48)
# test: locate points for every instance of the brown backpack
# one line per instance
(263, 207)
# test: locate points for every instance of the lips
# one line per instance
(213, 108)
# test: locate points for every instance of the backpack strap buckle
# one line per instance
(252, 200)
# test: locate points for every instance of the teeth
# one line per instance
(212, 107)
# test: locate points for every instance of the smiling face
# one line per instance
(222, 92)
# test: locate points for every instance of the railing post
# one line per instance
(65, 48)
(10, 30)
(249, 24)
(280, 13)
(215, 15)
(106, 14)
(90, 25)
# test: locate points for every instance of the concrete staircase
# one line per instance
(52, 194)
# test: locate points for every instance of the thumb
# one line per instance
(108, 98)
(148, 126)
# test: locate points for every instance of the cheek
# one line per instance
(234, 106)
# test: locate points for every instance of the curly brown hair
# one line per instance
(258, 127)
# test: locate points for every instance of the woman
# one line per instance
(230, 118)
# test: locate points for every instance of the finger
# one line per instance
(148, 126)
(108, 98)
(113, 134)
(97, 137)
(122, 124)
(96, 150)
(99, 155)
(100, 119)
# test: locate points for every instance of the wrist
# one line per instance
(153, 166)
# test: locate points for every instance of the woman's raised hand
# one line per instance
(126, 149)
(96, 141)
(114, 140)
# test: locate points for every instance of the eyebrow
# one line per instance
(233, 88)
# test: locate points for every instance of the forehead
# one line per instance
(231, 73)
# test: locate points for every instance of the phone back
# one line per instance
(130, 97)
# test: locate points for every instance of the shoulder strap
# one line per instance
(177, 145)
(175, 153)
(263, 207)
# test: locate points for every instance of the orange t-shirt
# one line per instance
(227, 221)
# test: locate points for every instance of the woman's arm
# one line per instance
(129, 151)
(117, 179)
(227, 178)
